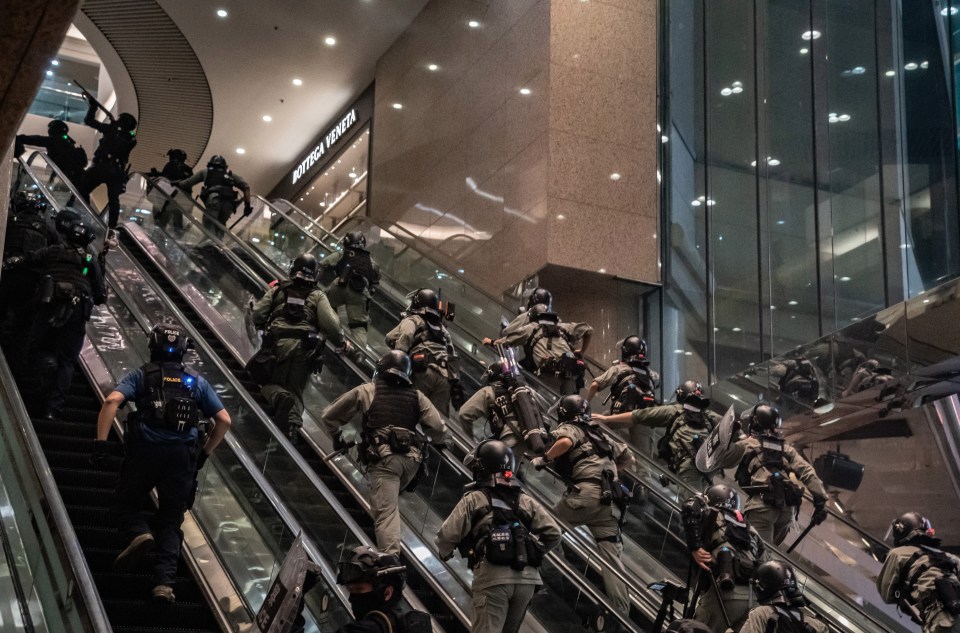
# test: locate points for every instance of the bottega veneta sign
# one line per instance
(325, 144)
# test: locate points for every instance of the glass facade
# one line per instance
(809, 172)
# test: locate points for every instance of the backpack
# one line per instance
(293, 298)
(784, 622)
(633, 389)
(550, 347)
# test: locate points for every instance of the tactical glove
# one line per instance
(247, 209)
(539, 463)
(98, 459)
(457, 395)
(820, 513)
(339, 444)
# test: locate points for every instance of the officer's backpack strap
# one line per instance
(414, 621)
(382, 619)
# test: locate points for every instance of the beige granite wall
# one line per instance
(501, 156)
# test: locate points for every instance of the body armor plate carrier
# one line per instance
(391, 419)
(167, 402)
(505, 540)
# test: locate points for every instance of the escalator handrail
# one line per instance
(58, 512)
(247, 400)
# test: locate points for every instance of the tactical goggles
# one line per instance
(349, 573)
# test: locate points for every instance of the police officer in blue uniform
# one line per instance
(163, 451)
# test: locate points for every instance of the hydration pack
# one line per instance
(633, 390)
(595, 443)
(505, 540)
(167, 402)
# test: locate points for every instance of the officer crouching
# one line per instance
(161, 451)
(504, 535)
(390, 447)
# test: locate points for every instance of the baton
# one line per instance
(551, 471)
(239, 220)
(94, 101)
(803, 535)
(339, 452)
(723, 607)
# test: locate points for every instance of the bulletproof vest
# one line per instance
(115, 146)
(788, 621)
(401, 621)
(557, 340)
(65, 153)
(430, 330)
(167, 401)
(633, 389)
(68, 264)
(176, 171)
(923, 560)
(595, 443)
(218, 183)
(26, 232)
(392, 406)
(355, 269)
(291, 302)
(504, 540)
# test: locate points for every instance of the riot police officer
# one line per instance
(436, 364)
(61, 148)
(356, 276)
(781, 603)
(109, 167)
(919, 577)
(688, 422)
(504, 535)
(723, 545)
(162, 451)
(218, 196)
(589, 462)
(764, 462)
(71, 283)
(390, 446)
(175, 170)
(296, 319)
(375, 581)
(537, 296)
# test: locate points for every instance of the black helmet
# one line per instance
(425, 299)
(127, 122)
(355, 239)
(29, 203)
(686, 389)
(633, 348)
(167, 343)
(65, 219)
(540, 295)
(57, 128)
(572, 408)
(540, 310)
(305, 268)
(773, 579)
(490, 458)
(909, 526)
(217, 162)
(78, 234)
(763, 418)
(369, 565)
(177, 154)
(722, 496)
(493, 373)
(395, 363)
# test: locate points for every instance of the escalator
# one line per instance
(654, 546)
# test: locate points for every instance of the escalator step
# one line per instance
(44, 426)
(132, 586)
(89, 477)
(96, 516)
(136, 612)
(79, 461)
(86, 496)
(97, 537)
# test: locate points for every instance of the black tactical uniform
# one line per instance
(175, 170)
(504, 535)
(164, 450)
(356, 276)
(110, 160)
(218, 196)
(71, 284)
(62, 150)
(716, 531)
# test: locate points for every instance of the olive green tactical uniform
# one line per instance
(584, 507)
(922, 592)
(355, 303)
(520, 335)
(760, 616)
(684, 442)
(500, 593)
(480, 406)
(434, 382)
(295, 353)
(771, 522)
(642, 437)
(736, 601)
(392, 473)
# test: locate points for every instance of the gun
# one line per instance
(90, 98)
(532, 427)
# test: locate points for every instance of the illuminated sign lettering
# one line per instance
(324, 145)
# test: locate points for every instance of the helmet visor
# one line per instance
(349, 573)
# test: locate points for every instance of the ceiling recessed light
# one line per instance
(602, 270)
(240, 150)
(810, 35)
(736, 329)
(55, 62)
(773, 162)
(924, 65)
(726, 92)
(781, 222)
(398, 106)
(793, 302)
(890, 73)
(695, 203)
(911, 66)
(49, 73)
(352, 174)
(433, 67)
(329, 40)
(615, 176)
(664, 138)
(222, 13)
(946, 11)
(804, 51)
(267, 118)
(844, 278)
(561, 216)
(298, 82)
(473, 24)
(524, 91)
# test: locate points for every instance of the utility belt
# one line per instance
(778, 492)
(423, 359)
(400, 441)
(565, 366)
(180, 416)
(946, 597)
(63, 299)
(612, 492)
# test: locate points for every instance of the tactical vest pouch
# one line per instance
(743, 568)
(367, 452)
(181, 414)
(415, 622)
(500, 546)
(948, 591)
(62, 304)
(358, 282)
(400, 441)
(608, 488)
(419, 361)
(664, 451)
